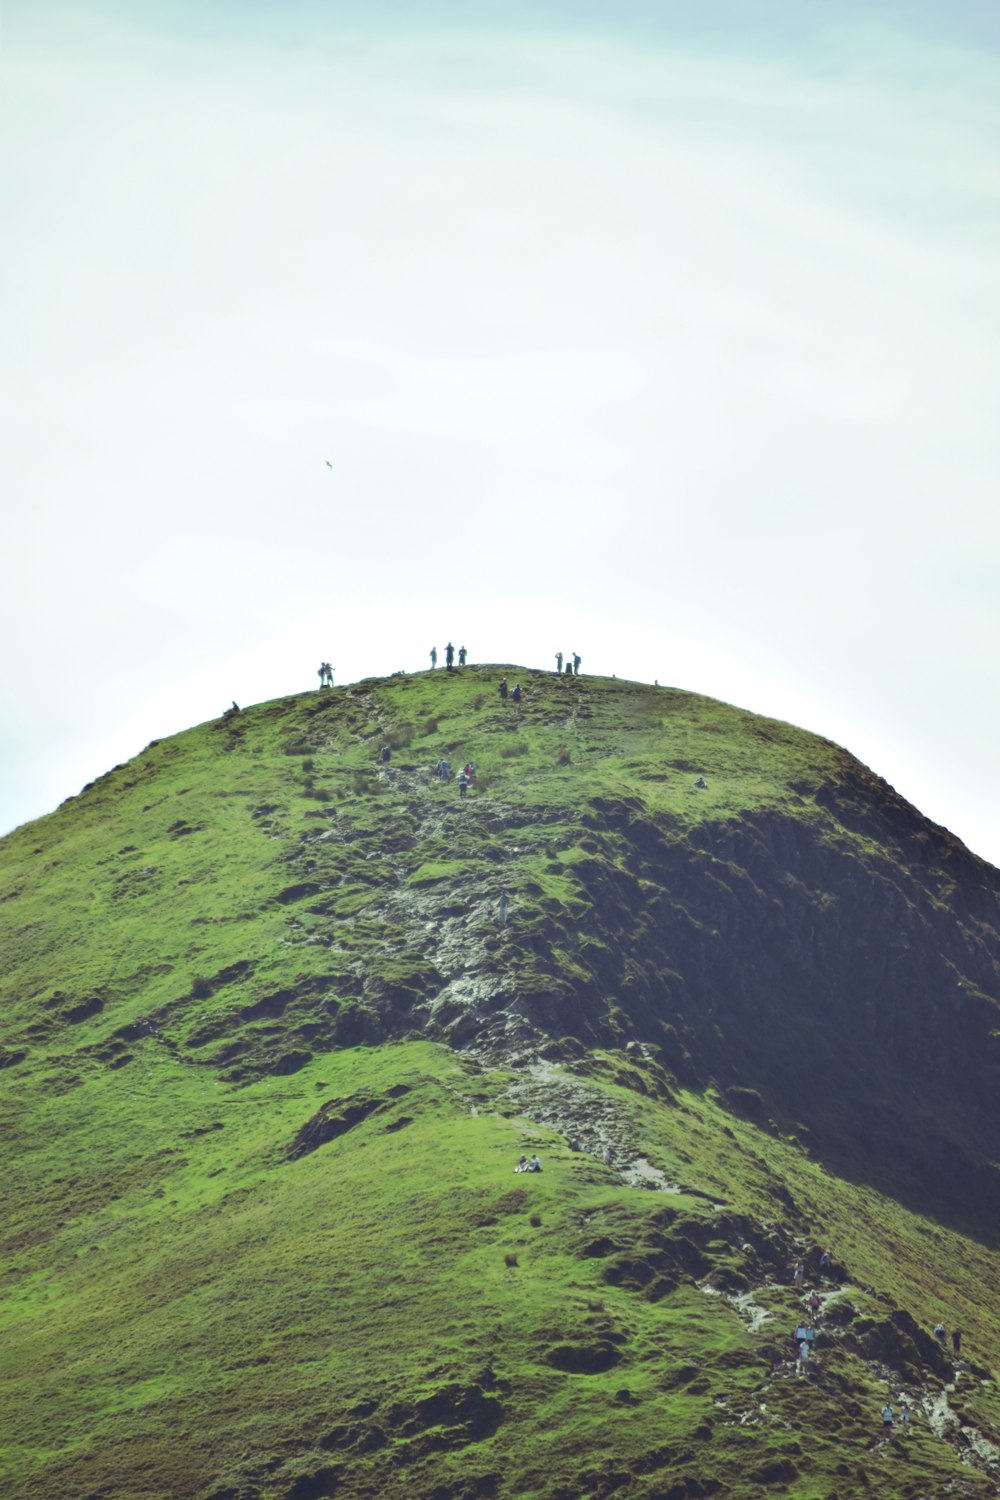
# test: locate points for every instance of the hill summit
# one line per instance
(284, 1004)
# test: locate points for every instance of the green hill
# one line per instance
(270, 1055)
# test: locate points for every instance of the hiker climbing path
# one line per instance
(447, 925)
(836, 1324)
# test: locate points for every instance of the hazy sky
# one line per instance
(663, 332)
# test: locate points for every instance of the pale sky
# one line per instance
(661, 332)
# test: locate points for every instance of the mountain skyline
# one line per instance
(684, 319)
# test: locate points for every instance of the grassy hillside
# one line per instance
(270, 1057)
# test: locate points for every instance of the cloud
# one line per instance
(698, 335)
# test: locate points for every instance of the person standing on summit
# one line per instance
(559, 662)
(576, 665)
(449, 657)
(462, 654)
(434, 657)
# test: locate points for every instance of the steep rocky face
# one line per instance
(852, 988)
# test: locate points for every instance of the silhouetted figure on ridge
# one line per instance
(576, 664)
(434, 657)
(462, 654)
(559, 660)
(449, 657)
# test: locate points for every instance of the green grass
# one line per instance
(201, 954)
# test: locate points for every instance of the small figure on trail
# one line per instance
(904, 1418)
(516, 694)
(803, 1354)
(887, 1418)
(504, 909)
(231, 711)
(503, 690)
(386, 755)
(576, 664)
(939, 1333)
(462, 654)
(701, 783)
(575, 1143)
(434, 657)
(321, 673)
(325, 674)
(956, 1342)
(449, 657)
(443, 770)
(814, 1304)
(559, 662)
(463, 783)
(608, 1156)
(798, 1273)
(825, 1268)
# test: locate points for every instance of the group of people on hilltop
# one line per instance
(572, 668)
(449, 657)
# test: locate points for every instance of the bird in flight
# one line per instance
(329, 464)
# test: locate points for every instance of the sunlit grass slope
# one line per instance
(270, 1057)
